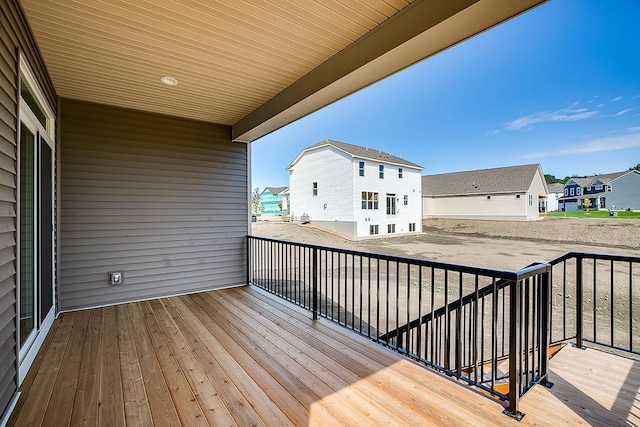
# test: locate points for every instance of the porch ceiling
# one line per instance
(254, 65)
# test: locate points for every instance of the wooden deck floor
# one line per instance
(239, 357)
(590, 388)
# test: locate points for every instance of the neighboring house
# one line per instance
(273, 201)
(108, 165)
(613, 191)
(556, 191)
(511, 192)
(355, 190)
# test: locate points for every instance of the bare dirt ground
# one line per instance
(508, 245)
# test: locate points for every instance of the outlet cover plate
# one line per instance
(116, 278)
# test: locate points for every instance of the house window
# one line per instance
(400, 173)
(391, 228)
(530, 199)
(315, 188)
(412, 226)
(391, 204)
(381, 172)
(406, 200)
(369, 200)
(566, 191)
(572, 191)
(373, 229)
(608, 188)
(578, 191)
(361, 169)
(598, 187)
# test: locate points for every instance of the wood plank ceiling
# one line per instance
(235, 59)
(229, 57)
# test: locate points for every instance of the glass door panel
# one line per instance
(45, 250)
(27, 235)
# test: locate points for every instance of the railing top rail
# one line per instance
(532, 270)
(605, 257)
(499, 274)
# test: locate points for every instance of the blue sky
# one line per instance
(559, 86)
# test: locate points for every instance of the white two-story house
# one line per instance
(355, 191)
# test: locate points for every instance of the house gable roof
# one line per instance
(604, 179)
(581, 182)
(275, 190)
(511, 179)
(359, 152)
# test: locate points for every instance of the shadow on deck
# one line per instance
(243, 357)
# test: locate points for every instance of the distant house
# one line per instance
(619, 191)
(556, 191)
(273, 201)
(356, 191)
(513, 192)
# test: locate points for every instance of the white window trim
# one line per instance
(34, 86)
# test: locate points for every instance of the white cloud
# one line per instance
(613, 143)
(562, 115)
(617, 98)
(619, 113)
(633, 129)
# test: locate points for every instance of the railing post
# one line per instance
(314, 281)
(579, 303)
(515, 352)
(248, 260)
(545, 323)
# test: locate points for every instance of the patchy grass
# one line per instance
(596, 214)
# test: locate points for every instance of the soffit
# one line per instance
(255, 65)
(229, 56)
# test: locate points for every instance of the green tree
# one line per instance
(256, 198)
(636, 167)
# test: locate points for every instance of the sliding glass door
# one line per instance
(35, 222)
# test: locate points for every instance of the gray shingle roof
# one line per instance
(605, 178)
(556, 187)
(512, 179)
(275, 190)
(365, 153)
(582, 182)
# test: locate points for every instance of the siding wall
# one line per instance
(625, 192)
(499, 206)
(332, 169)
(162, 199)
(14, 37)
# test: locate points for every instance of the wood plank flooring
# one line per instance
(591, 387)
(238, 357)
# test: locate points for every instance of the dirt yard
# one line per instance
(506, 245)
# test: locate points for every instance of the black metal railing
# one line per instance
(455, 318)
(489, 328)
(596, 298)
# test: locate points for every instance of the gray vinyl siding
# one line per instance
(15, 36)
(8, 309)
(162, 199)
(625, 192)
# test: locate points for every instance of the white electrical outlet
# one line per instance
(116, 278)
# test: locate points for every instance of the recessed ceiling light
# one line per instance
(169, 81)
